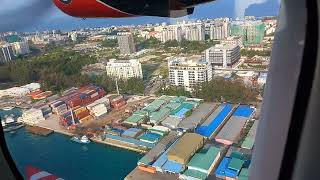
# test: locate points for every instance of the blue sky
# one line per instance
(32, 15)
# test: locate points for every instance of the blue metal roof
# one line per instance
(208, 130)
(223, 169)
(173, 167)
(243, 111)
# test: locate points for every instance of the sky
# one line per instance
(33, 15)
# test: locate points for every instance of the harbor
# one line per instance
(175, 134)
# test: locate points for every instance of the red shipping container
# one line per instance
(74, 102)
(83, 114)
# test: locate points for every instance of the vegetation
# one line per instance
(149, 43)
(174, 91)
(224, 90)
(252, 53)
(110, 43)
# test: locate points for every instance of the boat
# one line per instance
(83, 140)
(13, 127)
(3, 123)
(9, 119)
(8, 108)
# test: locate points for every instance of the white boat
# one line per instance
(8, 108)
(3, 123)
(9, 119)
(84, 139)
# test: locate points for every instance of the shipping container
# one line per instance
(86, 119)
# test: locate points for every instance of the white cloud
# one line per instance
(242, 5)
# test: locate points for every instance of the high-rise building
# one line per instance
(124, 69)
(6, 53)
(172, 33)
(21, 48)
(252, 32)
(126, 44)
(188, 72)
(222, 55)
(74, 36)
(195, 33)
(219, 30)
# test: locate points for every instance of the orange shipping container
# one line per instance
(147, 169)
(86, 119)
(79, 110)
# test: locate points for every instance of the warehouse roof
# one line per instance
(155, 105)
(243, 111)
(150, 137)
(141, 113)
(134, 119)
(171, 122)
(172, 106)
(195, 174)
(248, 143)
(244, 174)
(183, 108)
(232, 129)
(173, 167)
(179, 99)
(166, 98)
(197, 116)
(223, 170)
(253, 129)
(203, 160)
(236, 164)
(208, 130)
(156, 117)
(186, 145)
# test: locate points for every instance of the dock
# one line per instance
(142, 175)
(39, 130)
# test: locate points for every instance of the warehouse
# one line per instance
(158, 116)
(161, 130)
(155, 105)
(197, 116)
(150, 137)
(231, 131)
(186, 146)
(162, 145)
(171, 122)
(132, 132)
(134, 120)
(250, 138)
(215, 121)
(202, 163)
(182, 110)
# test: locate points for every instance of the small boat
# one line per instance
(8, 108)
(3, 123)
(10, 119)
(13, 127)
(83, 140)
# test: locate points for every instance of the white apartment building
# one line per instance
(236, 40)
(21, 48)
(219, 30)
(124, 69)
(6, 53)
(222, 55)
(173, 33)
(195, 33)
(187, 72)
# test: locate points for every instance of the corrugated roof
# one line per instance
(232, 129)
(208, 130)
(185, 106)
(223, 170)
(156, 117)
(179, 99)
(171, 122)
(203, 160)
(248, 143)
(185, 147)
(155, 105)
(197, 116)
(141, 113)
(150, 137)
(134, 119)
(243, 111)
(172, 105)
(195, 174)
(244, 174)
(236, 164)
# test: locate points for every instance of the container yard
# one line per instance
(183, 138)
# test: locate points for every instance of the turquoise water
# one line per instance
(58, 155)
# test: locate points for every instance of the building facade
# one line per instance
(21, 48)
(195, 33)
(124, 69)
(252, 32)
(187, 72)
(219, 30)
(222, 55)
(236, 40)
(126, 44)
(174, 33)
(6, 53)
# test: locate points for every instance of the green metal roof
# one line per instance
(172, 105)
(156, 104)
(179, 99)
(159, 115)
(195, 174)
(166, 98)
(236, 164)
(203, 160)
(186, 105)
(141, 113)
(13, 38)
(248, 143)
(244, 174)
(134, 119)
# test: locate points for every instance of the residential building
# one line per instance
(187, 72)
(219, 30)
(74, 36)
(252, 32)
(124, 69)
(21, 48)
(6, 53)
(195, 33)
(126, 44)
(174, 33)
(237, 40)
(222, 55)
